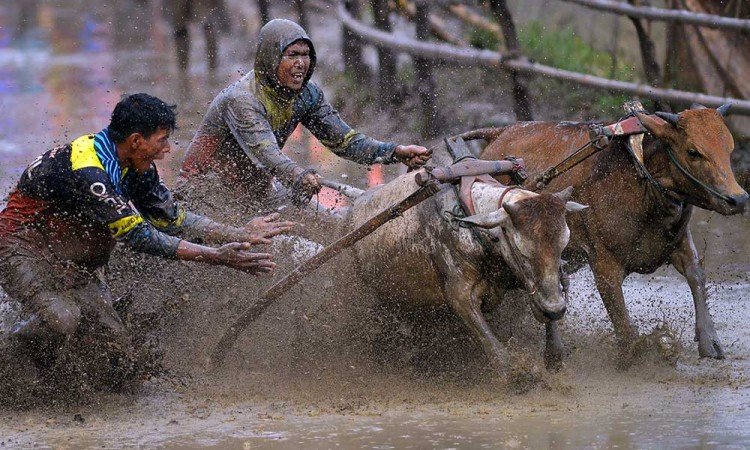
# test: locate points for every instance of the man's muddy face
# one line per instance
(151, 149)
(295, 62)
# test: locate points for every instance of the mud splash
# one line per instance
(328, 365)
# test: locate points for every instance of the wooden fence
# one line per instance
(516, 63)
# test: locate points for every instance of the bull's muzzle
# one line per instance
(729, 204)
(739, 202)
(547, 311)
(556, 314)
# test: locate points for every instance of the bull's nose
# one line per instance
(556, 314)
(739, 201)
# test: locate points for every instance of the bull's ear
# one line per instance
(660, 128)
(486, 220)
(565, 194)
(575, 207)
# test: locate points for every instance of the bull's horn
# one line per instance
(486, 220)
(724, 109)
(565, 194)
(697, 106)
(669, 117)
(575, 207)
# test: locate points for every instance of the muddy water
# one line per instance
(62, 69)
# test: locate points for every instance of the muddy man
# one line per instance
(75, 202)
(248, 123)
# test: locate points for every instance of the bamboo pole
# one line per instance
(438, 27)
(472, 18)
(666, 15)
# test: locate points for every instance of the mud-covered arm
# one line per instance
(143, 237)
(245, 118)
(203, 229)
(157, 204)
(325, 123)
(165, 218)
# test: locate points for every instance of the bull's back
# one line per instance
(395, 259)
(541, 145)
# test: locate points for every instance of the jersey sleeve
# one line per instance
(100, 201)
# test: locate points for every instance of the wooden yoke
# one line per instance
(467, 169)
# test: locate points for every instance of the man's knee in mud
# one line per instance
(60, 315)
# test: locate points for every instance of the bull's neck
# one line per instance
(658, 165)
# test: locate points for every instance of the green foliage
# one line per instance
(483, 39)
(565, 50)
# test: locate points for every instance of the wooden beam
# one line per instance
(450, 54)
(666, 15)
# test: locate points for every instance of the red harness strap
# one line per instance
(631, 125)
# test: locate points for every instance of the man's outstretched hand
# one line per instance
(261, 229)
(237, 256)
(414, 156)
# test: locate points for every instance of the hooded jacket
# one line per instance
(248, 123)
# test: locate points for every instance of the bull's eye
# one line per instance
(693, 153)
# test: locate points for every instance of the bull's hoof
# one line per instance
(523, 380)
(667, 343)
(659, 346)
(710, 348)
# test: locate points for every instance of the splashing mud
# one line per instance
(329, 364)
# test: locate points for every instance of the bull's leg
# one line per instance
(465, 299)
(553, 350)
(609, 275)
(685, 260)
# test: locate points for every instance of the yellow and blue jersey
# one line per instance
(84, 181)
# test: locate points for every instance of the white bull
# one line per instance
(423, 259)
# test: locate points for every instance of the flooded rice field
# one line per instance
(326, 367)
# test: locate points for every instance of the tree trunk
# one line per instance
(651, 68)
(430, 126)
(265, 11)
(301, 14)
(386, 57)
(351, 47)
(520, 89)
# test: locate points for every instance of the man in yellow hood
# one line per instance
(248, 123)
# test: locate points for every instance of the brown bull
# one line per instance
(635, 225)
